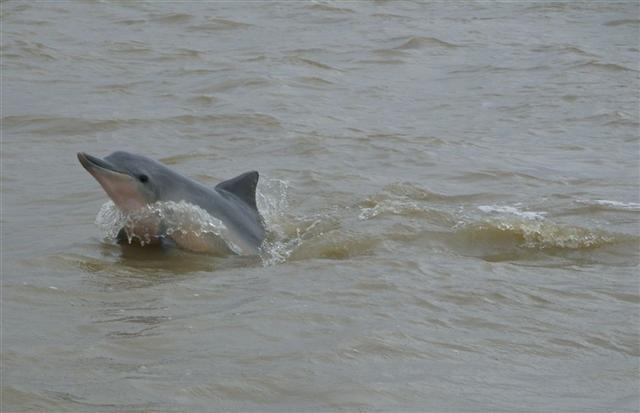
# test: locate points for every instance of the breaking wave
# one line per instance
(512, 210)
(612, 205)
(490, 231)
(534, 234)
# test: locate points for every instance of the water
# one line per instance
(452, 192)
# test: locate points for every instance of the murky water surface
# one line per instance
(452, 193)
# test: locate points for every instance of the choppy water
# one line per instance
(452, 192)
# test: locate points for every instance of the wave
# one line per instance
(392, 17)
(396, 207)
(498, 232)
(474, 69)
(129, 47)
(604, 204)
(623, 22)
(530, 234)
(314, 81)
(632, 206)
(308, 62)
(611, 67)
(32, 49)
(172, 18)
(178, 54)
(244, 83)
(328, 8)
(420, 42)
(549, 243)
(215, 25)
(512, 210)
(64, 125)
(563, 49)
(417, 193)
(130, 22)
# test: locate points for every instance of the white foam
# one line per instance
(632, 206)
(512, 210)
(388, 206)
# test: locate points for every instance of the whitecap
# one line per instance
(512, 210)
(633, 206)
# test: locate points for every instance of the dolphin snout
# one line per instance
(121, 187)
(91, 162)
(84, 160)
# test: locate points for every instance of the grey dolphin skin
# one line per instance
(133, 181)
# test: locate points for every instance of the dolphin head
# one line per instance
(129, 180)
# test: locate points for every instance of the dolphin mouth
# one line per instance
(90, 163)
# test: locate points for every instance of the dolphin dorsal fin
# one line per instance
(243, 186)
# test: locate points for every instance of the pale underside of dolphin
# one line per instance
(134, 181)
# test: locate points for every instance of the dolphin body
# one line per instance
(134, 181)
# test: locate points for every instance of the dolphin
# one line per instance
(135, 181)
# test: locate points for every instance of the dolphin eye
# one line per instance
(143, 178)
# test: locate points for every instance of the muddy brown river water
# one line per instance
(452, 194)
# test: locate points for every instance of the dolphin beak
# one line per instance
(90, 163)
(121, 187)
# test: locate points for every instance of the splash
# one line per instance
(272, 200)
(292, 237)
(162, 219)
(193, 224)
(273, 204)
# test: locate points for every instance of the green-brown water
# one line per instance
(452, 191)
